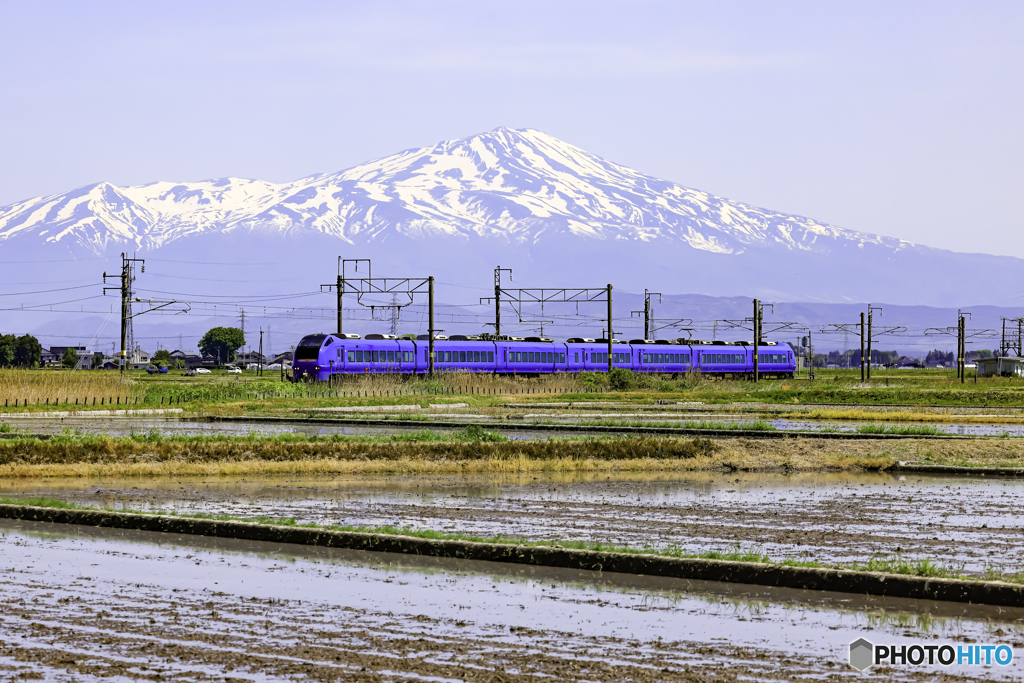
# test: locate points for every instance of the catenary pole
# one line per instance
(870, 317)
(862, 378)
(610, 332)
(430, 325)
(757, 334)
(125, 276)
(647, 315)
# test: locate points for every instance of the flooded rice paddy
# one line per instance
(82, 603)
(353, 424)
(79, 603)
(973, 524)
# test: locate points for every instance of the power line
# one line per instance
(47, 291)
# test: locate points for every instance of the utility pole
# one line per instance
(497, 298)
(862, 378)
(127, 277)
(757, 339)
(340, 289)
(647, 312)
(810, 353)
(260, 370)
(871, 310)
(339, 285)
(962, 334)
(961, 351)
(430, 324)
(611, 331)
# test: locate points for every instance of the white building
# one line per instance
(1011, 365)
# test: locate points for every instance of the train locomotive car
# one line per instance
(318, 357)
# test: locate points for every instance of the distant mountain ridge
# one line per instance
(519, 197)
(516, 184)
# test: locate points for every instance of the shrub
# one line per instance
(622, 379)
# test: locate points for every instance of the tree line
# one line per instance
(20, 352)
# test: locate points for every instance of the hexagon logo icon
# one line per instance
(862, 653)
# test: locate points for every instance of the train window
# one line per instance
(576, 357)
(359, 356)
(462, 357)
(351, 356)
(390, 357)
(490, 356)
(517, 356)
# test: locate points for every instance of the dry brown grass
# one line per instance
(62, 385)
(458, 383)
(128, 458)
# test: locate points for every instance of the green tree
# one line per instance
(7, 342)
(97, 360)
(162, 358)
(70, 359)
(27, 351)
(222, 343)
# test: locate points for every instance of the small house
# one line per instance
(1007, 366)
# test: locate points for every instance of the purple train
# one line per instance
(320, 356)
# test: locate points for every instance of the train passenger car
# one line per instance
(661, 356)
(318, 357)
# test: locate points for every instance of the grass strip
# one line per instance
(908, 430)
(754, 426)
(895, 564)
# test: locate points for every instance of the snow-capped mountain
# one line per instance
(518, 185)
(516, 197)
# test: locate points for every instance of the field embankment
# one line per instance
(472, 452)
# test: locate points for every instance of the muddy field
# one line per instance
(82, 603)
(969, 523)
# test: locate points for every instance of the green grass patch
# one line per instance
(903, 430)
(755, 425)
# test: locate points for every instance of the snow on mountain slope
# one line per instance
(520, 186)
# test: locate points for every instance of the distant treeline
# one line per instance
(20, 352)
(851, 358)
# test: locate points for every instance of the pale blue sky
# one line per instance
(903, 119)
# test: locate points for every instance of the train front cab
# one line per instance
(306, 365)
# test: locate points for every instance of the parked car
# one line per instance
(234, 371)
(153, 369)
(202, 371)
